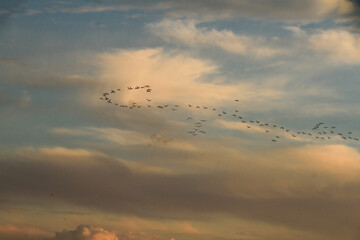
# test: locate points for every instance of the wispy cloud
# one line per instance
(186, 32)
(338, 45)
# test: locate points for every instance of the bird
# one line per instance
(189, 105)
(119, 89)
(236, 100)
(273, 140)
(112, 91)
(160, 106)
(189, 118)
(197, 106)
(277, 137)
(148, 100)
(148, 90)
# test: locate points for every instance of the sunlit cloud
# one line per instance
(175, 78)
(85, 233)
(13, 232)
(339, 46)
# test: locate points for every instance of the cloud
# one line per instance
(339, 46)
(276, 10)
(90, 8)
(13, 232)
(13, 62)
(176, 78)
(270, 186)
(157, 138)
(85, 232)
(188, 33)
(268, 10)
(120, 137)
(96, 8)
(21, 102)
(8, 9)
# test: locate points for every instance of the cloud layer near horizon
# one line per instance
(318, 177)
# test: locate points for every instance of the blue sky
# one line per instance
(74, 166)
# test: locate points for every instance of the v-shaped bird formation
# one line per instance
(320, 131)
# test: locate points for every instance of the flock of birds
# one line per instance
(320, 131)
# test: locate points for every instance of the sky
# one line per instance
(177, 120)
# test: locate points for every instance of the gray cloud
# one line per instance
(7, 9)
(277, 10)
(101, 182)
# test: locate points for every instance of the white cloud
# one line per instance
(188, 33)
(84, 232)
(339, 46)
(175, 78)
